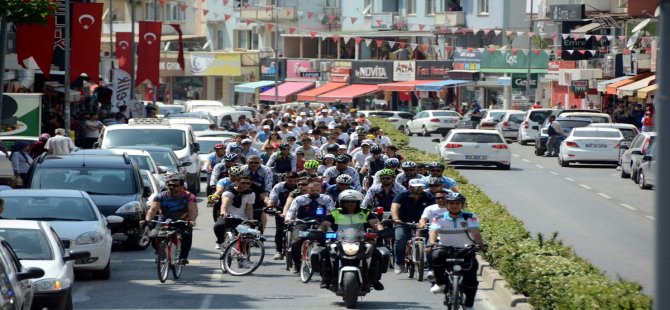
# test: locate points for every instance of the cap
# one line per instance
(286, 115)
(366, 142)
(266, 127)
(343, 147)
(303, 113)
(331, 126)
(299, 119)
(353, 110)
(416, 183)
(324, 111)
(246, 141)
(331, 156)
(291, 125)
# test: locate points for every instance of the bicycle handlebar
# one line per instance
(244, 220)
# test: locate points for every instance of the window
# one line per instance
(368, 7)
(175, 12)
(430, 7)
(246, 39)
(332, 3)
(149, 11)
(411, 7)
(483, 7)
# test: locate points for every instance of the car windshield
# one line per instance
(539, 116)
(95, 181)
(162, 158)
(48, 208)
(381, 114)
(594, 119)
(199, 127)
(596, 134)
(516, 118)
(446, 113)
(628, 133)
(207, 147)
(171, 109)
(143, 162)
(569, 123)
(495, 114)
(476, 137)
(29, 244)
(172, 138)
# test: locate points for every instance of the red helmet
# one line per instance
(219, 146)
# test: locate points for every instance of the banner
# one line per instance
(404, 70)
(86, 29)
(215, 64)
(123, 50)
(36, 41)
(120, 90)
(519, 80)
(148, 53)
(21, 115)
(371, 71)
(296, 68)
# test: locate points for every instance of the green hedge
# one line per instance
(542, 269)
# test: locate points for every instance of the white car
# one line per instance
(17, 279)
(398, 119)
(490, 118)
(475, 147)
(595, 117)
(74, 216)
(509, 124)
(628, 131)
(432, 121)
(531, 124)
(150, 181)
(198, 124)
(590, 145)
(37, 245)
(192, 105)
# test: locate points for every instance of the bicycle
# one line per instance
(241, 250)
(454, 298)
(387, 242)
(310, 237)
(414, 253)
(168, 248)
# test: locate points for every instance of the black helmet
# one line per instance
(435, 165)
(284, 146)
(333, 147)
(342, 158)
(456, 196)
(376, 149)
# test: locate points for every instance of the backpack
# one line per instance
(551, 131)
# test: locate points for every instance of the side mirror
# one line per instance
(96, 145)
(646, 157)
(114, 219)
(31, 273)
(75, 255)
(146, 192)
(162, 169)
(186, 164)
(436, 141)
(196, 147)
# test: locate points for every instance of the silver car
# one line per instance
(632, 156)
(17, 279)
(646, 175)
(509, 124)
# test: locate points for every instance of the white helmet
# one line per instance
(350, 195)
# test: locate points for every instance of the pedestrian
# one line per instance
(59, 144)
(21, 162)
(647, 122)
(92, 128)
(555, 133)
(37, 148)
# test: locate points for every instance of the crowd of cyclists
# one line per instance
(340, 178)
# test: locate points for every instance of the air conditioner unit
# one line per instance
(324, 66)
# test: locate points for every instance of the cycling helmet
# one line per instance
(284, 146)
(342, 158)
(392, 163)
(387, 172)
(328, 156)
(311, 164)
(376, 149)
(408, 164)
(435, 181)
(456, 196)
(333, 147)
(435, 165)
(176, 179)
(350, 195)
(236, 171)
(219, 146)
(230, 157)
(344, 179)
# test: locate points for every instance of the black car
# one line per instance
(113, 182)
(566, 125)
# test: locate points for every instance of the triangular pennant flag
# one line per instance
(183, 7)
(353, 20)
(599, 37)
(481, 49)
(470, 49)
(309, 15)
(378, 22)
(543, 35)
(509, 33)
(486, 31)
(497, 32)
(402, 44)
(291, 30)
(391, 43)
(547, 51)
(475, 30)
(380, 43)
(593, 52)
(459, 49)
(270, 26)
(492, 50)
(610, 38)
(312, 34)
(248, 21)
(448, 49)
(413, 45)
(331, 18)
(358, 40)
(368, 42)
(645, 40)
(515, 51)
(537, 52)
(565, 36)
(204, 12)
(247, 5)
(576, 36)
(226, 17)
(531, 34)
(582, 51)
(444, 29)
(336, 38)
(321, 16)
(622, 38)
(570, 51)
(424, 47)
(421, 27)
(453, 29)
(587, 37)
(525, 52)
(399, 25)
(225, 2)
(464, 30)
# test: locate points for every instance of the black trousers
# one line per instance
(296, 243)
(222, 224)
(469, 273)
(279, 233)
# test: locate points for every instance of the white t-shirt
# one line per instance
(92, 133)
(455, 232)
(430, 212)
(241, 211)
(59, 145)
(359, 158)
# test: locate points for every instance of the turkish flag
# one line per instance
(124, 50)
(86, 29)
(37, 41)
(148, 52)
(180, 43)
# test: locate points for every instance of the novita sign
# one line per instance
(372, 73)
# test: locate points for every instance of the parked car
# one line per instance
(509, 124)
(6, 171)
(36, 244)
(398, 119)
(141, 157)
(595, 117)
(590, 145)
(632, 155)
(113, 182)
(17, 279)
(198, 124)
(490, 118)
(475, 147)
(466, 121)
(192, 105)
(628, 131)
(74, 216)
(150, 181)
(566, 124)
(531, 124)
(646, 175)
(432, 121)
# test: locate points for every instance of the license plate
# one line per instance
(450, 120)
(476, 157)
(596, 145)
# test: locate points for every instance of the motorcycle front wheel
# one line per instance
(351, 288)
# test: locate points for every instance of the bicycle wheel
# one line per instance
(162, 261)
(287, 250)
(418, 260)
(243, 257)
(306, 270)
(228, 238)
(176, 268)
(409, 259)
(389, 245)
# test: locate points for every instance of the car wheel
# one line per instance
(504, 167)
(68, 302)
(633, 174)
(424, 132)
(105, 273)
(642, 181)
(407, 132)
(521, 140)
(140, 242)
(193, 186)
(563, 163)
(624, 174)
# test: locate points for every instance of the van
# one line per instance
(157, 132)
(226, 119)
(192, 104)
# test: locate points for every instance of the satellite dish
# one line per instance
(632, 40)
(658, 11)
(641, 25)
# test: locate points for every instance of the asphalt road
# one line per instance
(134, 284)
(607, 220)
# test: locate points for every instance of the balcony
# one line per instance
(127, 26)
(267, 15)
(450, 19)
(384, 21)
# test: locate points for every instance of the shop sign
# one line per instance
(519, 80)
(567, 12)
(432, 69)
(310, 74)
(22, 115)
(554, 66)
(120, 89)
(268, 69)
(295, 68)
(169, 66)
(404, 70)
(579, 86)
(340, 74)
(508, 60)
(467, 60)
(214, 64)
(372, 72)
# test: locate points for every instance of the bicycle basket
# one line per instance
(311, 234)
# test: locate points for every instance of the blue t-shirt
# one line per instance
(411, 209)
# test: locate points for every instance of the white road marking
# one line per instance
(525, 160)
(585, 186)
(604, 196)
(217, 276)
(539, 166)
(627, 206)
(206, 302)
(516, 155)
(554, 173)
(569, 179)
(651, 217)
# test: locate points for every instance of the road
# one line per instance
(607, 220)
(134, 284)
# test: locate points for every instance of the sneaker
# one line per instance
(183, 261)
(277, 256)
(430, 275)
(217, 246)
(324, 285)
(246, 264)
(437, 289)
(398, 269)
(295, 270)
(378, 286)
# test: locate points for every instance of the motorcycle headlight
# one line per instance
(89, 238)
(350, 248)
(131, 207)
(49, 285)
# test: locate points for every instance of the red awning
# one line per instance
(403, 86)
(611, 89)
(286, 91)
(311, 94)
(347, 94)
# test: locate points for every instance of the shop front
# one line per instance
(370, 72)
(466, 66)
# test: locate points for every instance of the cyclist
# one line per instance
(439, 208)
(327, 162)
(310, 150)
(303, 182)
(176, 204)
(277, 199)
(343, 182)
(359, 155)
(283, 161)
(311, 166)
(261, 184)
(455, 228)
(382, 194)
(330, 148)
(237, 201)
(351, 215)
(407, 207)
(392, 152)
(421, 169)
(373, 163)
(391, 163)
(435, 185)
(342, 167)
(408, 173)
(305, 207)
(436, 169)
(220, 171)
(213, 159)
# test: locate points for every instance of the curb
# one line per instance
(501, 293)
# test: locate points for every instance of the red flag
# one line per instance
(309, 15)
(123, 50)
(162, 2)
(183, 7)
(358, 40)
(331, 18)
(492, 50)
(312, 34)
(380, 43)
(378, 21)
(248, 21)
(291, 30)
(270, 26)
(180, 43)
(515, 51)
(225, 2)
(537, 52)
(86, 34)
(226, 17)
(353, 20)
(421, 27)
(37, 41)
(470, 49)
(425, 47)
(204, 12)
(486, 31)
(148, 52)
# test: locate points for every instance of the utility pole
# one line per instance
(66, 78)
(530, 53)
(276, 36)
(155, 87)
(133, 48)
(3, 47)
(111, 43)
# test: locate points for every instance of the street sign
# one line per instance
(519, 80)
(579, 86)
(567, 12)
(310, 74)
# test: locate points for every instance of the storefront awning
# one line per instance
(586, 28)
(439, 85)
(311, 94)
(285, 92)
(602, 86)
(347, 94)
(404, 86)
(630, 89)
(611, 89)
(643, 93)
(251, 87)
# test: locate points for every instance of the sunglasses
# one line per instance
(440, 198)
(387, 178)
(435, 185)
(244, 183)
(254, 163)
(302, 184)
(435, 170)
(173, 185)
